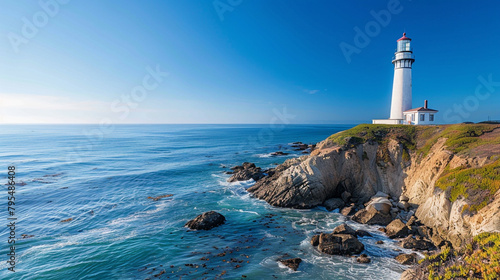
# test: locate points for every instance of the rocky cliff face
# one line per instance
(395, 161)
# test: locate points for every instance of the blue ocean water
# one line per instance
(101, 180)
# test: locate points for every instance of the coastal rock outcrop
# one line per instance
(403, 162)
(339, 244)
(292, 263)
(246, 171)
(206, 221)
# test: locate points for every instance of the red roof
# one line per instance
(404, 37)
(421, 109)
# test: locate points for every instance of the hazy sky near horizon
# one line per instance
(242, 61)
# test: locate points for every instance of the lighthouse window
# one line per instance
(422, 117)
(431, 117)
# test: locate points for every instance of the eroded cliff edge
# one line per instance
(450, 173)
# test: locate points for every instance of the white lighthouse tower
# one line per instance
(401, 87)
(401, 111)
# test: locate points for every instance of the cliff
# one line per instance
(450, 173)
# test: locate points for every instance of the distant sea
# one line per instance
(102, 180)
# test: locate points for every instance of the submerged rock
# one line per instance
(279, 153)
(363, 258)
(206, 221)
(372, 216)
(292, 263)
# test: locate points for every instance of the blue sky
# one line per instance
(242, 61)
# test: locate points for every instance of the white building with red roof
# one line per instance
(401, 112)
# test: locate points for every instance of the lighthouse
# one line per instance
(401, 111)
(401, 87)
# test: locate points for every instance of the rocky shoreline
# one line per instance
(386, 176)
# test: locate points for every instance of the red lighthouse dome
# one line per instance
(404, 38)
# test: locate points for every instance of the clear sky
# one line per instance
(242, 61)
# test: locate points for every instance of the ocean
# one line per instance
(99, 181)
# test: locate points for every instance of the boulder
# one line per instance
(206, 221)
(397, 229)
(346, 211)
(292, 263)
(407, 259)
(362, 233)
(372, 216)
(381, 204)
(379, 242)
(333, 203)
(416, 243)
(363, 258)
(403, 198)
(344, 229)
(339, 244)
(246, 172)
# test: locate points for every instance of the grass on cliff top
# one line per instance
(478, 260)
(460, 137)
(380, 133)
(477, 185)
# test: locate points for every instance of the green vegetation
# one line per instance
(461, 138)
(380, 133)
(478, 260)
(477, 185)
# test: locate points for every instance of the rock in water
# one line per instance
(292, 263)
(346, 211)
(315, 240)
(333, 203)
(339, 244)
(361, 233)
(246, 172)
(344, 229)
(397, 229)
(372, 216)
(206, 221)
(407, 259)
(363, 258)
